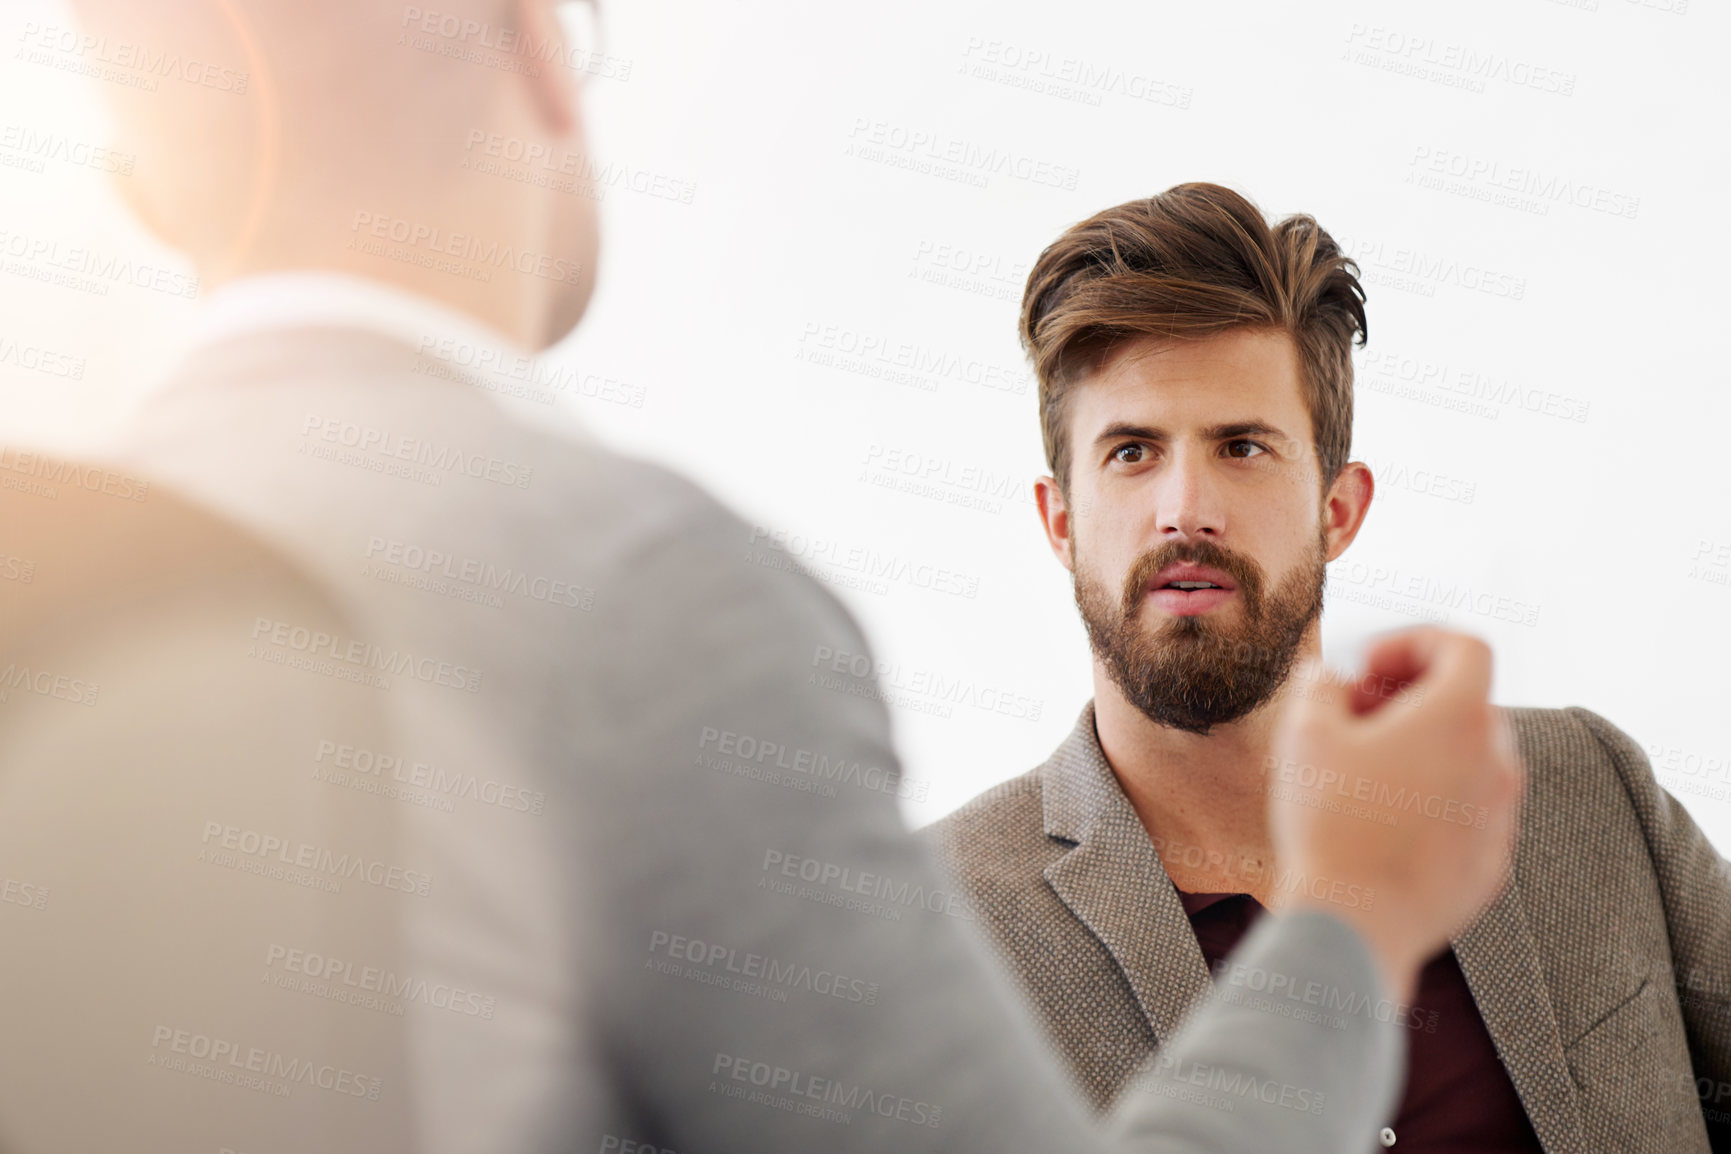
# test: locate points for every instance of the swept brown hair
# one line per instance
(1194, 261)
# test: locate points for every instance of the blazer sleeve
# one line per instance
(1695, 886)
(780, 966)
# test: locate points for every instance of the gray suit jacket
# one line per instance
(1603, 972)
(652, 853)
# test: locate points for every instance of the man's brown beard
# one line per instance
(1194, 674)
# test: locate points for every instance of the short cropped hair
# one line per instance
(1194, 261)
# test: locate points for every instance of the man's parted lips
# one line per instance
(1189, 575)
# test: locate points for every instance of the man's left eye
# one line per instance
(1231, 445)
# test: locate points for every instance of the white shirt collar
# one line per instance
(275, 301)
(316, 299)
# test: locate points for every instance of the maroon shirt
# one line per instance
(1458, 1097)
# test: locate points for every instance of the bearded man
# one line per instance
(1195, 384)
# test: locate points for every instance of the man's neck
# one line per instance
(1203, 800)
(320, 235)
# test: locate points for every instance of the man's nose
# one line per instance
(1188, 500)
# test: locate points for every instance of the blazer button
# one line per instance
(1387, 1136)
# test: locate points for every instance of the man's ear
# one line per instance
(1345, 505)
(1055, 519)
(551, 88)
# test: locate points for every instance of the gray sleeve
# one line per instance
(777, 965)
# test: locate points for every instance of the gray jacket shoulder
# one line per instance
(669, 534)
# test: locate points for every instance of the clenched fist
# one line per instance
(1405, 781)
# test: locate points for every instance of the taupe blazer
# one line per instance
(1603, 973)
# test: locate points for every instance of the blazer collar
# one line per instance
(1112, 880)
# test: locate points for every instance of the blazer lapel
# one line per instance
(1112, 880)
(1500, 959)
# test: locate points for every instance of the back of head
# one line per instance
(357, 136)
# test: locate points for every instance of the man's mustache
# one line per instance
(1246, 573)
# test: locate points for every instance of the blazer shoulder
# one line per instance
(997, 837)
(1009, 802)
(1616, 742)
(1576, 758)
(1571, 734)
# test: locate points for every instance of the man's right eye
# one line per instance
(1135, 450)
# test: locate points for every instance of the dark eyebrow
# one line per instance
(1122, 429)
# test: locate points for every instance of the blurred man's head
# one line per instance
(1195, 381)
(436, 147)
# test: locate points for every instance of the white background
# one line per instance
(813, 230)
